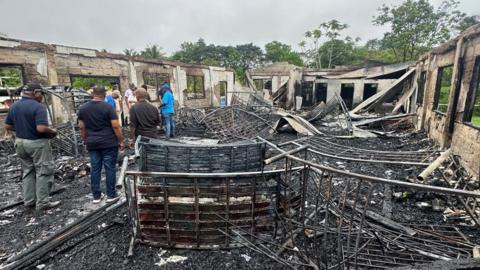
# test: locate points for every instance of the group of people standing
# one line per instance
(100, 129)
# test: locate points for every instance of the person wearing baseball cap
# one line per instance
(28, 119)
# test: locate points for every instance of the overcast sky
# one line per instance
(118, 24)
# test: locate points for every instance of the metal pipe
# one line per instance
(379, 179)
(119, 183)
(434, 165)
(282, 155)
(207, 175)
(368, 160)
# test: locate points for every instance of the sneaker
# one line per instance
(95, 201)
(112, 199)
(49, 205)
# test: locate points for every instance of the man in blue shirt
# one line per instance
(28, 119)
(167, 112)
(110, 100)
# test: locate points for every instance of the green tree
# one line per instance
(467, 21)
(238, 58)
(310, 48)
(326, 47)
(416, 26)
(279, 52)
(10, 77)
(152, 51)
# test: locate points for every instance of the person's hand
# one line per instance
(121, 145)
(52, 134)
(131, 144)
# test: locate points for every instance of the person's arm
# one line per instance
(117, 129)
(41, 123)
(83, 130)
(9, 123)
(133, 127)
(51, 133)
(118, 132)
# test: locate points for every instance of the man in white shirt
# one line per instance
(129, 99)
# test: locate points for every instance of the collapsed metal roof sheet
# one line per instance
(372, 72)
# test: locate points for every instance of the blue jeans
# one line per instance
(169, 124)
(108, 158)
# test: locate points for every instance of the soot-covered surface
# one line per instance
(105, 245)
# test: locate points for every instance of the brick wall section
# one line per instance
(464, 140)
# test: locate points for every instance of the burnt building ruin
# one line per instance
(365, 167)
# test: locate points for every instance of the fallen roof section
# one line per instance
(380, 97)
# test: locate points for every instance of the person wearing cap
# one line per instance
(102, 135)
(28, 119)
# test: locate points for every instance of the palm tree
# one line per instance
(153, 51)
(130, 52)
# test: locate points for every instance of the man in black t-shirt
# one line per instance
(144, 118)
(102, 135)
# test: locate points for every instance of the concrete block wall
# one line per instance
(463, 138)
(55, 64)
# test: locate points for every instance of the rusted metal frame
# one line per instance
(339, 228)
(354, 152)
(465, 243)
(363, 160)
(271, 242)
(165, 209)
(345, 260)
(367, 203)
(227, 210)
(197, 212)
(374, 179)
(293, 141)
(263, 250)
(231, 158)
(352, 215)
(253, 182)
(412, 243)
(396, 153)
(189, 154)
(246, 158)
(208, 175)
(304, 186)
(328, 198)
(368, 160)
(282, 155)
(360, 155)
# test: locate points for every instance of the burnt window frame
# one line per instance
(195, 94)
(438, 86)
(219, 87)
(266, 83)
(473, 92)
(158, 77)
(422, 83)
(364, 86)
(23, 78)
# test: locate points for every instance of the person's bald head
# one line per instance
(99, 91)
(140, 94)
